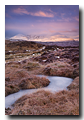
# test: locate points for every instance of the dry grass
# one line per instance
(21, 76)
(20, 46)
(59, 69)
(33, 82)
(31, 66)
(22, 79)
(9, 89)
(45, 103)
(74, 84)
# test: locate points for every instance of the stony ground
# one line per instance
(25, 60)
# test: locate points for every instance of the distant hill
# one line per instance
(23, 40)
(62, 44)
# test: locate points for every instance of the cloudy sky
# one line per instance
(56, 22)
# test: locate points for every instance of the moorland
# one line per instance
(24, 60)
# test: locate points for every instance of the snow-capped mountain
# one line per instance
(27, 37)
(41, 38)
(19, 37)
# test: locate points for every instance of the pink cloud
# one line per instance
(20, 11)
(76, 18)
(60, 38)
(42, 14)
(39, 13)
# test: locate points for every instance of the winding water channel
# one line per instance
(56, 84)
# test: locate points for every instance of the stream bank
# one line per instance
(56, 84)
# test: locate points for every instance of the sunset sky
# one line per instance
(55, 22)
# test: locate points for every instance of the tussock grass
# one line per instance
(45, 103)
(21, 76)
(34, 82)
(8, 57)
(74, 84)
(31, 66)
(59, 69)
(21, 79)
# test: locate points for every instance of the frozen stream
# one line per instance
(56, 84)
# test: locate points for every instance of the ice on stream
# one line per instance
(56, 84)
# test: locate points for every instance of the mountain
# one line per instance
(49, 40)
(20, 37)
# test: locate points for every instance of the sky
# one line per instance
(55, 22)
